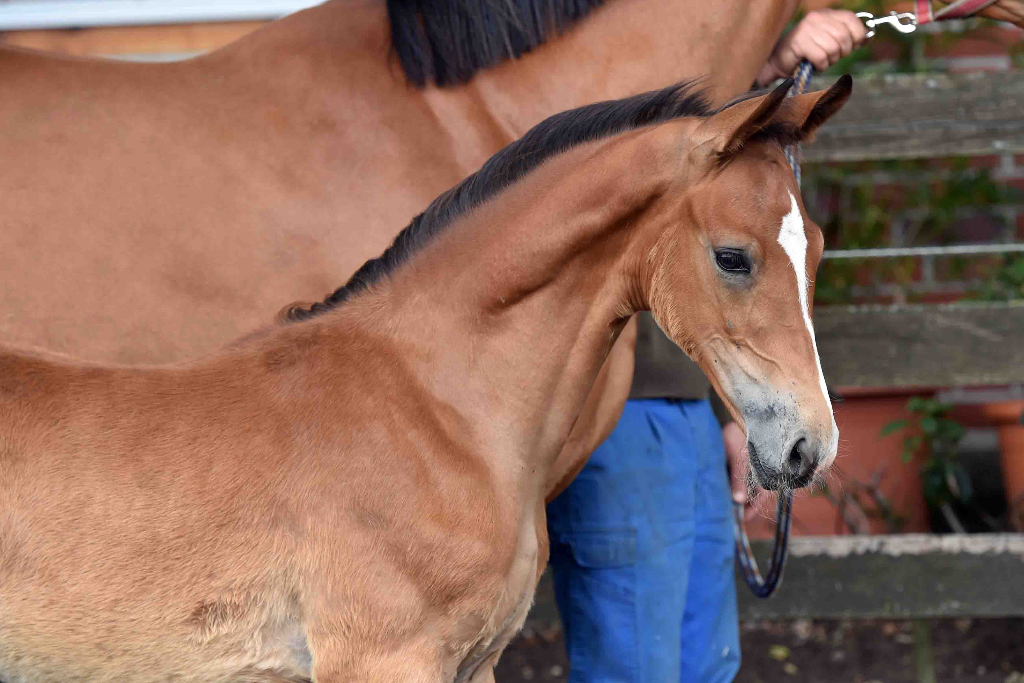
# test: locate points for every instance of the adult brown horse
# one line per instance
(272, 167)
(357, 493)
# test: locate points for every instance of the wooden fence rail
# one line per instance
(907, 576)
(912, 116)
(904, 576)
(964, 344)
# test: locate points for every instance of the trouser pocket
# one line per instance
(595, 576)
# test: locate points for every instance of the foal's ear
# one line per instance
(734, 125)
(793, 119)
(811, 110)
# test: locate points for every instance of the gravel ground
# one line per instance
(974, 650)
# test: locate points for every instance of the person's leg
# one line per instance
(710, 632)
(621, 540)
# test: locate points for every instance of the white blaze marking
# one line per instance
(794, 242)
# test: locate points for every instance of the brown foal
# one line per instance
(356, 493)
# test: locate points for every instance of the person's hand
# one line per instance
(821, 37)
(1005, 10)
(736, 453)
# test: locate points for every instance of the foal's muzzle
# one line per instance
(794, 470)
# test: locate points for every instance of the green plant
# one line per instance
(944, 480)
(859, 502)
(923, 208)
(1017, 55)
(1006, 283)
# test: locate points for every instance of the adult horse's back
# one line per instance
(153, 212)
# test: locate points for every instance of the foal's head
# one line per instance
(735, 291)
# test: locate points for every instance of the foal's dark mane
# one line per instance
(447, 41)
(550, 137)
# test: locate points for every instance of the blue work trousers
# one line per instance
(642, 552)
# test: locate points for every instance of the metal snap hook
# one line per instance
(894, 19)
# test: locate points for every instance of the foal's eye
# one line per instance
(732, 261)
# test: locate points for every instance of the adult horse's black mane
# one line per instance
(448, 41)
(552, 136)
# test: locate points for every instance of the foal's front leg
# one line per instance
(344, 652)
(378, 668)
(485, 674)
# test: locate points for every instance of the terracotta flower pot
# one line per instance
(1006, 417)
(863, 453)
(995, 413)
(1011, 446)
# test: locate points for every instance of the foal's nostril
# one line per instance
(795, 464)
(801, 463)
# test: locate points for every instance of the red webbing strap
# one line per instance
(923, 10)
(954, 10)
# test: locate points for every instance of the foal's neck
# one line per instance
(513, 309)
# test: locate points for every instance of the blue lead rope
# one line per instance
(904, 23)
(801, 79)
(764, 587)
